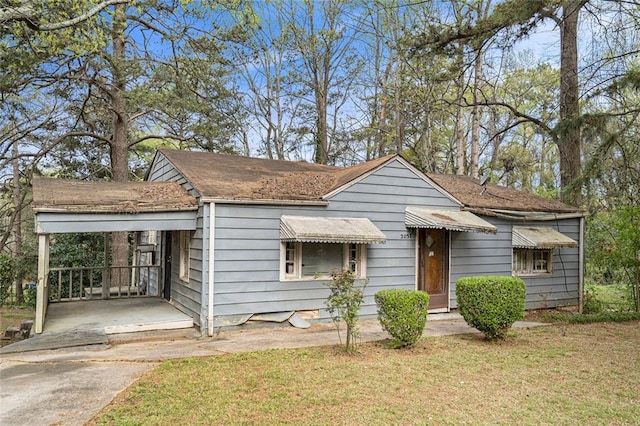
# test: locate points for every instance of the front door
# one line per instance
(433, 266)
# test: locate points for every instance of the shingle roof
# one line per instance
(51, 194)
(234, 177)
(470, 193)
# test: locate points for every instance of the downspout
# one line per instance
(581, 267)
(212, 238)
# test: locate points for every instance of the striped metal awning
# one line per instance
(453, 220)
(306, 229)
(539, 238)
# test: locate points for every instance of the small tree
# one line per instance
(344, 303)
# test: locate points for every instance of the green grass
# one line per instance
(614, 297)
(591, 318)
(562, 374)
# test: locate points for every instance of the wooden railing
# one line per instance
(109, 282)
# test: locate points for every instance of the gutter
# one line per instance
(532, 216)
(264, 202)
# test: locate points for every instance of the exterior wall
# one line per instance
(247, 245)
(247, 250)
(186, 296)
(487, 254)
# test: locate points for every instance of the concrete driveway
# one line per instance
(69, 386)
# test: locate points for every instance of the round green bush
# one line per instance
(491, 304)
(402, 314)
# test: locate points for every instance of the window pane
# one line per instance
(353, 258)
(540, 261)
(321, 258)
(519, 260)
(290, 258)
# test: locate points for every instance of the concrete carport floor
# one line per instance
(69, 386)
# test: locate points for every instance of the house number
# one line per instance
(406, 236)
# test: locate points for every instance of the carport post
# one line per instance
(106, 279)
(42, 291)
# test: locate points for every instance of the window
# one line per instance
(312, 260)
(185, 246)
(532, 261)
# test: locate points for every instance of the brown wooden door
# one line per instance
(433, 266)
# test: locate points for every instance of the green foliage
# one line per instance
(7, 276)
(591, 304)
(30, 295)
(75, 250)
(403, 314)
(491, 304)
(344, 303)
(591, 318)
(613, 250)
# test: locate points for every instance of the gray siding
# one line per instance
(247, 250)
(186, 296)
(485, 254)
(247, 245)
(57, 223)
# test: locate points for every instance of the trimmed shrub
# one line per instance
(402, 314)
(491, 304)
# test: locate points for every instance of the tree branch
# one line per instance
(144, 138)
(28, 14)
(519, 114)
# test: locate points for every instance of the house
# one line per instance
(268, 232)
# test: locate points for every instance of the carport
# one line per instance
(66, 206)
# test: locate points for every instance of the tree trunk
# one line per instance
(569, 138)
(399, 118)
(119, 142)
(322, 155)
(475, 129)
(459, 130)
(120, 122)
(17, 224)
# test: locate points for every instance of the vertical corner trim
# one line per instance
(581, 266)
(212, 239)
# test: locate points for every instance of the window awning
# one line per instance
(539, 238)
(453, 220)
(306, 229)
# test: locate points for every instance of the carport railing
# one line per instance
(103, 282)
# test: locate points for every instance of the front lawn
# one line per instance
(560, 374)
